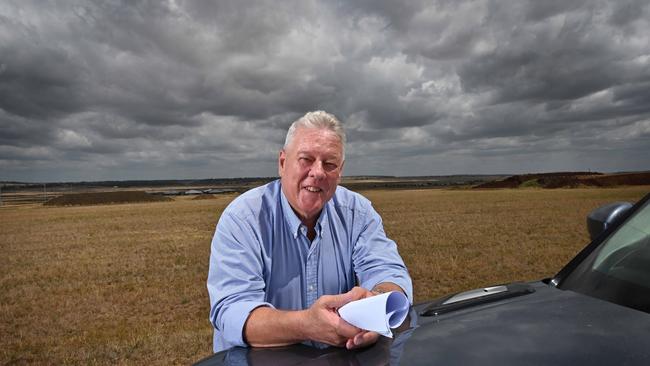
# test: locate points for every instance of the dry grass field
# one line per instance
(125, 284)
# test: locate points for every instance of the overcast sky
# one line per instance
(112, 90)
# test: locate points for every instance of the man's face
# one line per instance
(310, 168)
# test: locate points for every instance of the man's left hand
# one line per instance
(364, 338)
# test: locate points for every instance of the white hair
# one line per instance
(317, 119)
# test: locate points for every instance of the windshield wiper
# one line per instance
(477, 297)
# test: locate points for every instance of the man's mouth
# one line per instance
(312, 189)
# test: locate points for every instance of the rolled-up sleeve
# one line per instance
(235, 279)
(376, 258)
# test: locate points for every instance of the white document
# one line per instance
(377, 313)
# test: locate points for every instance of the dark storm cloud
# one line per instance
(540, 10)
(20, 131)
(150, 89)
(37, 81)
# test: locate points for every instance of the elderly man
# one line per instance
(285, 256)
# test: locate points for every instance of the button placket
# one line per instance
(311, 270)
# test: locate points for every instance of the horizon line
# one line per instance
(13, 182)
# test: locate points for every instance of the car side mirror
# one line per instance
(604, 216)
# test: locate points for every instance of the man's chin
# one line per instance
(312, 209)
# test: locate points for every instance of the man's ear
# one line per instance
(340, 172)
(281, 160)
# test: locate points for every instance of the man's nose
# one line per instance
(317, 170)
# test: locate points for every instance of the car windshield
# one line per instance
(619, 269)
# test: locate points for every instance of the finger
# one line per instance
(351, 343)
(336, 301)
(358, 293)
(346, 329)
(364, 339)
(359, 338)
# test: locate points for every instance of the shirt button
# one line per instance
(311, 288)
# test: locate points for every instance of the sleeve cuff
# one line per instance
(405, 285)
(235, 318)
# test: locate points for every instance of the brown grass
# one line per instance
(454, 240)
(125, 284)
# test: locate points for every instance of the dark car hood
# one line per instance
(547, 327)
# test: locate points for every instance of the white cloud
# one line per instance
(68, 139)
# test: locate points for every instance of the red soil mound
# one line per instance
(623, 179)
(101, 198)
(546, 180)
(572, 180)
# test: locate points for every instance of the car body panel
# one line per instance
(547, 327)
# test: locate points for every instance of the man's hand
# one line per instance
(323, 323)
(364, 338)
(266, 327)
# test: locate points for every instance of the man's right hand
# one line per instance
(323, 323)
(267, 327)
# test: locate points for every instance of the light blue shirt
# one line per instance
(261, 256)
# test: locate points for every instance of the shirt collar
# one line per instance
(293, 220)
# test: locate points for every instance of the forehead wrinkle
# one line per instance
(330, 152)
(318, 134)
(329, 148)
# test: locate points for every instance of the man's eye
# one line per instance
(330, 166)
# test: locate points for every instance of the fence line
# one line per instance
(36, 195)
(26, 197)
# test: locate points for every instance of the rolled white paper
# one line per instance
(377, 313)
